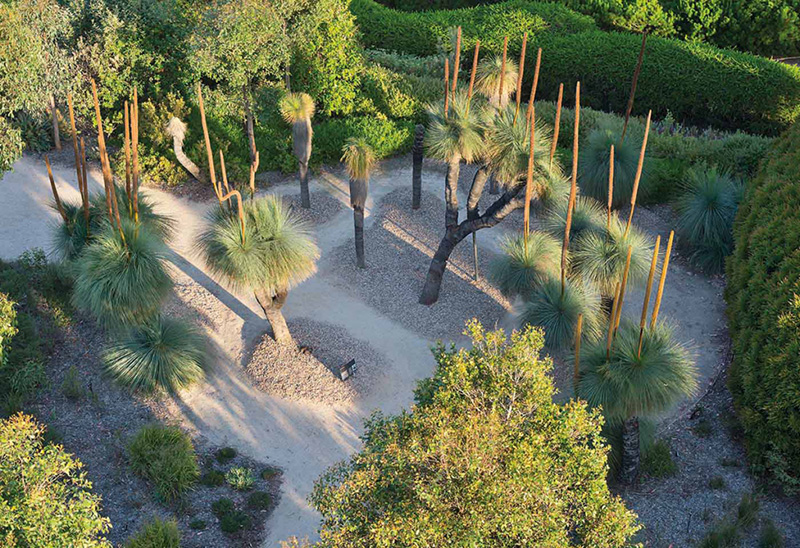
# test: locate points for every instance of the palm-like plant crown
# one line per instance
(587, 215)
(359, 158)
(459, 133)
(487, 78)
(526, 263)
(508, 148)
(594, 162)
(276, 253)
(630, 384)
(296, 107)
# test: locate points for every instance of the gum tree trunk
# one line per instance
(272, 310)
(630, 451)
(416, 173)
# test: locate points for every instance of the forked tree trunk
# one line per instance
(416, 173)
(630, 451)
(272, 305)
(358, 220)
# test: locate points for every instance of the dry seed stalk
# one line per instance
(612, 321)
(529, 182)
(85, 193)
(474, 70)
(610, 187)
(519, 79)
(535, 83)
(503, 70)
(573, 191)
(446, 87)
(75, 143)
(556, 124)
(126, 119)
(457, 60)
(135, 178)
(108, 179)
(636, 73)
(241, 210)
(647, 290)
(623, 286)
(224, 172)
(578, 329)
(55, 193)
(660, 293)
(253, 170)
(209, 154)
(638, 172)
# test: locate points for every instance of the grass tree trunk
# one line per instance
(359, 189)
(451, 192)
(249, 124)
(302, 135)
(630, 451)
(416, 174)
(272, 305)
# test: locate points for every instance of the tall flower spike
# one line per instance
(661, 281)
(535, 83)
(503, 67)
(638, 172)
(529, 182)
(556, 124)
(209, 154)
(457, 60)
(647, 290)
(519, 78)
(610, 187)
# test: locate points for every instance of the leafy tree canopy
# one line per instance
(484, 458)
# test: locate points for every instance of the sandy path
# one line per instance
(304, 438)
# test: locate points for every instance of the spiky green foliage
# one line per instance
(587, 216)
(278, 250)
(69, 239)
(487, 79)
(122, 284)
(526, 265)
(296, 107)
(557, 313)
(599, 257)
(593, 166)
(706, 209)
(165, 456)
(358, 158)
(459, 134)
(631, 385)
(508, 147)
(164, 354)
(157, 534)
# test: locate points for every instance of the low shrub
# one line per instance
(235, 521)
(224, 454)
(157, 534)
(221, 507)
(197, 524)
(72, 387)
(386, 137)
(212, 478)
(259, 500)
(771, 536)
(11, 145)
(763, 295)
(717, 482)
(240, 478)
(165, 456)
(269, 472)
(657, 460)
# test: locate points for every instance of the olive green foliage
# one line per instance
(484, 432)
(556, 312)
(398, 95)
(240, 478)
(35, 130)
(224, 454)
(600, 257)
(682, 77)
(163, 354)
(706, 210)
(122, 284)
(46, 498)
(763, 296)
(165, 456)
(11, 144)
(156, 534)
(593, 166)
(358, 158)
(657, 460)
(259, 500)
(8, 326)
(296, 107)
(278, 251)
(770, 536)
(526, 264)
(456, 134)
(490, 72)
(587, 216)
(386, 137)
(632, 384)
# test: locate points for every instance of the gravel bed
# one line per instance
(398, 244)
(96, 428)
(680, 510)
(323, 208)
(312, 371)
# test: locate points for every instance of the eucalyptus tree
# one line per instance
(359, 158)
(298, 109)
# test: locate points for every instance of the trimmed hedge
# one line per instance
(697, 83)
(763, 297)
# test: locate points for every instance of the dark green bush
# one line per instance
(259, 500)
(212, 478)
(157, 534)
(387, 137)
(763, 295)
(221, 507)
(657, 460)
(234, 522)
(224, 454)
(165, 456)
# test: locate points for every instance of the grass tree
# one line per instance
(587, 216)
(526, 263)
(496, 79)
(298, 109)
(359, 158)
(595, 162)
(264, 248)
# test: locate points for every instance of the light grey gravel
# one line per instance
(311, 373)
(323, 208)
(399, 243)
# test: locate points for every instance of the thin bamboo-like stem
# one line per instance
(127, 122)
(661, 281)
(529, 184)
(108, 179)
(578, 330)
(612, 323)
(446, 87)
(519, 79)
(610, 187)
(135, 137)
(535, 84)
(474, 70)
(622, 287)
(224, 172)
(556, 124)
(241, 208)
(209, 154)
(503, 71)
(647, 290)
(636, 73)
(573, 191)
(55, 193)
(253, 170)
(75, 143)
(457, 60)
(638, 172)
(85, 194)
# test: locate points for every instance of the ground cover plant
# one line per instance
(165, 456)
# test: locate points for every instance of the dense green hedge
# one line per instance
(697, 83)
(763, 297)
